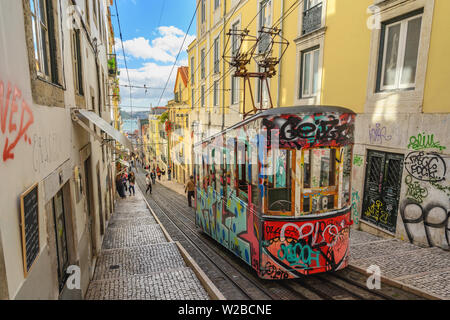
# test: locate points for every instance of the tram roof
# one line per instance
(281, 111)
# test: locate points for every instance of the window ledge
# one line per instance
(305, 37)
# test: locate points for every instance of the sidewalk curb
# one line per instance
(399, 285)
(212, 290)
(209, 286)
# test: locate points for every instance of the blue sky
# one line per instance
(153, 31)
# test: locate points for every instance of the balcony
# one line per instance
(312, 19)
(112, 66)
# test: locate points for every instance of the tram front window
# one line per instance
(279, 184)
(319, 180)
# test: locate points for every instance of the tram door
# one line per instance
(382, 189)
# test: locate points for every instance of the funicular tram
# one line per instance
(275, 190)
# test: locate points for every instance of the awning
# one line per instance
(79, 114)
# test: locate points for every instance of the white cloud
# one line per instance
(163, 48)
(152, 75)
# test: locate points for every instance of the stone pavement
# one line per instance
(138, 263)
(423, 271)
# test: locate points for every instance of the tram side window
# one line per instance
(319, 180)
(212, 170)
(242, 161)
(279, 182)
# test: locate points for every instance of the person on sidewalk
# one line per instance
(125, 180)
(132, 182)
(153, 176)
(149, 183)
(169, 171)
(158, 173)
(119, 187)
(190, 188)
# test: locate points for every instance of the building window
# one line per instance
(309, 75)
(192, 70)
(216, 55)
(261, 90)
(203, 11)
(235, 39)
(202, 55)
(203, 96)
(193, 97)
(399, 51)
(216, 93)
(234, 89)
(312, 16)
(265, 20)
(216, 4)
(40, 36)
(78, 76)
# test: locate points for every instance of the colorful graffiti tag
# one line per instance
(305, 247)
(13, 131)
(378, 135)
(426, 166)
(424, 141)
(310, 131)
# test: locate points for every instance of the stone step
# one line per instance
(178, 284)
(133, 236)
(117, 263)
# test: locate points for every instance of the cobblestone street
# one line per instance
(421, 269)
(138, 263)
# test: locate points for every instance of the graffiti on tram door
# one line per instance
(306, 247)
(310, 131)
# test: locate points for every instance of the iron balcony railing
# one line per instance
(312, 19)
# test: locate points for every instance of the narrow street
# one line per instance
(138, 263)
(236, 280)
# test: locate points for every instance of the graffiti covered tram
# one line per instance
(275, 190)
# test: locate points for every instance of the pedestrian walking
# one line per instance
(169, 171)
(153, 176)
(119, 186)
(190, 188)
(158, 173)
(124, 181)
(163, 172)
(149, 183)
(132, 182)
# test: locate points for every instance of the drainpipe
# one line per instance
(281, 51)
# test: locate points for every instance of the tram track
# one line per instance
(247, 288)
(329, 286)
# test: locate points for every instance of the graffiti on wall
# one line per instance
(426, 220)
(16, 118)
(356, 200)
(425, 211)
(426, 166)
(358, 160)
(424, 141)
(377, 211)
(378, 135)
(415, 191)
(310, 131)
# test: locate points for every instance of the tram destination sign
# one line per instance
(29, 222)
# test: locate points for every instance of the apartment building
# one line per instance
(57, 144)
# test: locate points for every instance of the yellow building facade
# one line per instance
(385, 60)
(180, 134)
